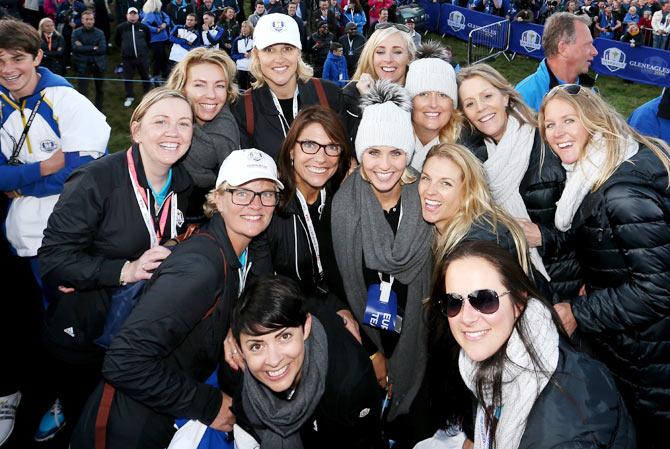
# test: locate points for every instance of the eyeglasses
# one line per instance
(311, 147)
(244, 197)
(385, 25)
(571, 89)
(485, 301)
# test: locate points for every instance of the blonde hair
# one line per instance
(202, 55)
(40, 26)
(366, 60)
(304, 73)
(516, 106)
(476, 202)
(210, 208)
(597, 116)
(152, 6)
(151, 98)
(249, 25)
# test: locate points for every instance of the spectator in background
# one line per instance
(68, 18)
(608, 25)
(259, 12)
(211, 35)
(292, 11)
(633, 36)
(208, 6)
(53, 46)
(416, 37)
(631, 17)
(184, 38)
(653, 117)
(335, 7)
(335, 67)
(178, 10)
(568, 50)
(352, 43)
(660, 23)
(159, 24)
(319, 46)
(241, 54)
(571, 7)
(323, 14)
(376, 7)
(89, 53)
(275, 6)
(645, 28)
(353, 13)
(133, 38)
(102, 17)
(230, 27)
(382, 20)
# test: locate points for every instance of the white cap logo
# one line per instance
(278, 25)
(254, 155)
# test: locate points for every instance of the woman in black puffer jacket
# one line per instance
(615, 210)
(507, 141)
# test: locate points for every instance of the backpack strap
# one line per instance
(321, 93)
(210, 311)
(249, 111)
(102, 417)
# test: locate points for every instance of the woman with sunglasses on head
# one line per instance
(156, 366)
(431, 82)
(382, 249)
(283, 85)
(313, 161)
(385, 56)
(525, 180)
(207, 77)
(533, 389)
(615, 210)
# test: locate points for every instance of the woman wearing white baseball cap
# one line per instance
(283, 85)
(156, 366)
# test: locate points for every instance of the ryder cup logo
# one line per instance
(255, 155)
(531, 41)
(456, 21)
(614, 59)
(278, 25)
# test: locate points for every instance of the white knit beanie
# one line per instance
(387, 119)
(432, 74)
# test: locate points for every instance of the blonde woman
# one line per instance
(159, 24)
(431, 82)
(385, 56)
(283, 85)
(206, 76)
(616, 210)
(525, 181)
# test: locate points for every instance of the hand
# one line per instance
(13, 194)
(532, 231)
(55, 163)
(66, 290)
(351, 324)
(77, 43)
(205, 27)
(142, 268)
(225, 419)
(380, 365)
(232, 352)
(468, 444)
(228, 45)
(564, 311)
(163, 26)
(364, 83)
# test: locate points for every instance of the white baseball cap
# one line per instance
(276, 29)
(242, 166)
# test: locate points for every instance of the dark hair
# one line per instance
(489, 375)
(88, 12)
(260, 2)
(16, 35)
(332, 124)
(192, 14)
(272, 302)
(334, 46)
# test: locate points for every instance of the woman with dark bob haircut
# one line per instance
(533, 389)
(308, 383)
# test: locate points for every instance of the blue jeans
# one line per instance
(660, 41)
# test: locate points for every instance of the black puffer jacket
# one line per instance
(579, 408)
(541, 188)
(622, 236)
(93, 49)
(268, 134)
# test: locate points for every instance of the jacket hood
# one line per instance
(333, 57)
(50, 79)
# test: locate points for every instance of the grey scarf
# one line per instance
(210, 145)
(360, 231)
(277, 421)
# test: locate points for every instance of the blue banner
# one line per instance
(433, 11)
(458, 22)
(526, 39)
(640, 64)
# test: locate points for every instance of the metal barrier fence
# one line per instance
(488, 41)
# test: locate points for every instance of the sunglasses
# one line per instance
(484, 301)
(397, 26)
(571, 89)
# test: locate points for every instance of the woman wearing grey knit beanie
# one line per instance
(383, 254)
(431, 82)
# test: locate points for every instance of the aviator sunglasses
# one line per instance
(484, 301)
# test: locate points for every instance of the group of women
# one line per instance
(520, 231)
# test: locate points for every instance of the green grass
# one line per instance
(624, 97)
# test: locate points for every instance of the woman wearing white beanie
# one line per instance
(431, 83)
(383, 253)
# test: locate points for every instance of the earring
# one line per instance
(291, 162)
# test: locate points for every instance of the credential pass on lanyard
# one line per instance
(282, 120)
(142, 197)
(310, 225)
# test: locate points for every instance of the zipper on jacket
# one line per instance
(132, 31)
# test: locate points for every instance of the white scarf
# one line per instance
(522, 381)
(582, 176)
(420, 152)
(505, 167)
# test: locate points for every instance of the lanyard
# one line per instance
(282, 119)
(142, 197)
(386, 286)
(14, 159)
(243, 271)
(310, 226)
